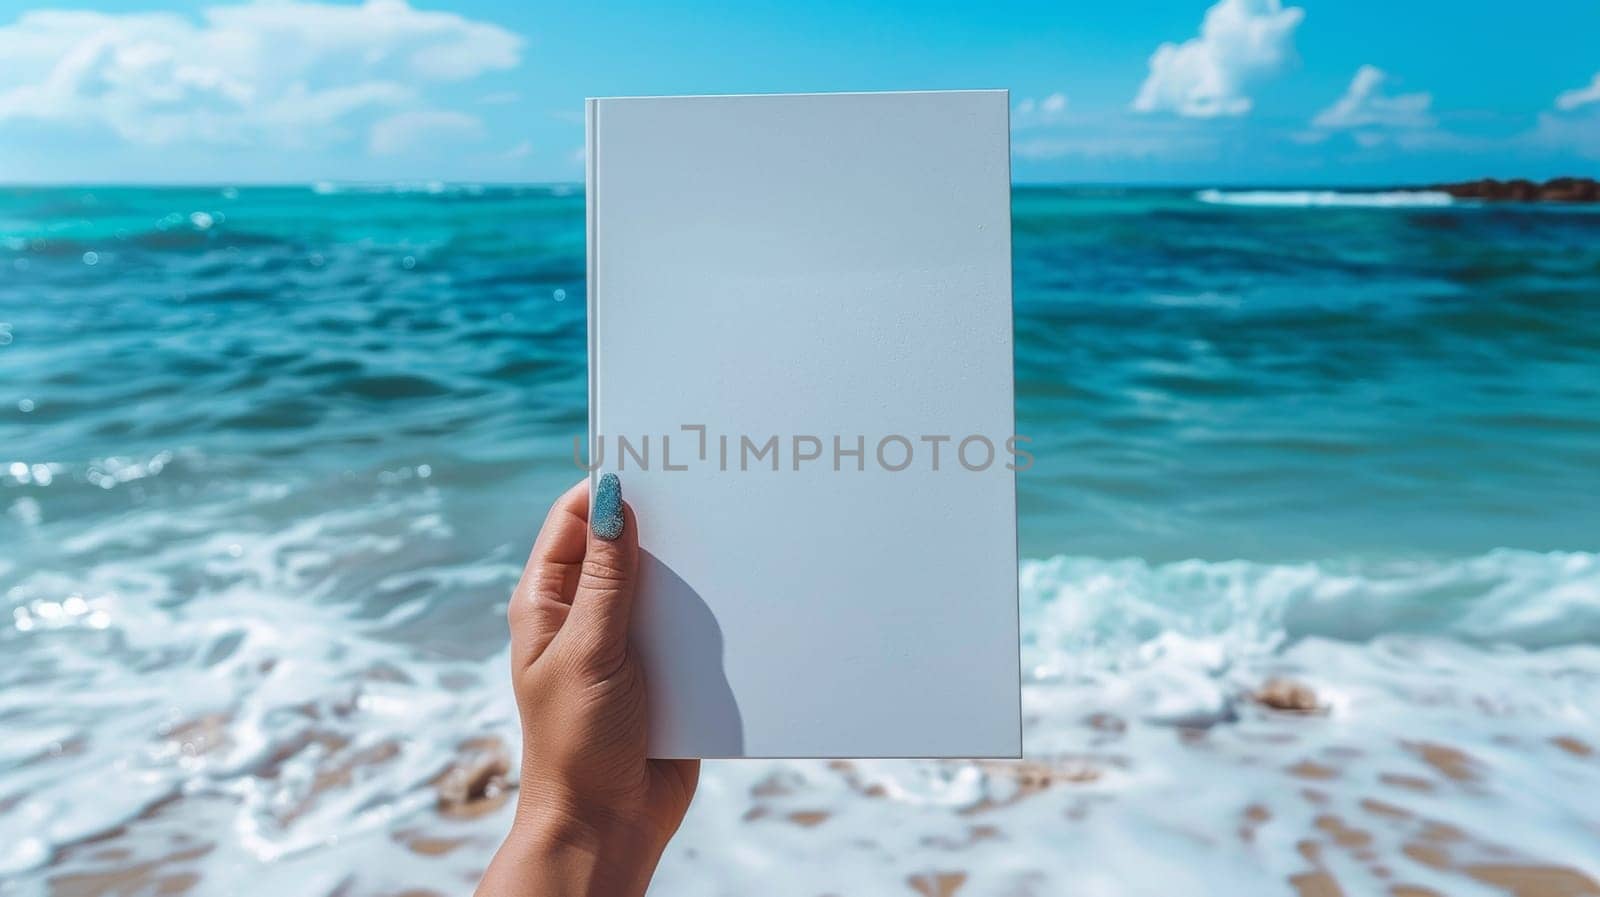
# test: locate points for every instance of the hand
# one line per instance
(593, 815)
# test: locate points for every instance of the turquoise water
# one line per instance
(271, 458)
(1200, 380)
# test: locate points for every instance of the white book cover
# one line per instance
(800, 365)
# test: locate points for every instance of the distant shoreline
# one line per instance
(1567, 189)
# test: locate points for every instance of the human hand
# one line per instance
(593, 815)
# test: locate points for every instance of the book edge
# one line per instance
(823, 93)
(591, 116)
(1016, 523)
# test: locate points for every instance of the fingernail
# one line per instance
(605, 511)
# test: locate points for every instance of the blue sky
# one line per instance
(1236, 91)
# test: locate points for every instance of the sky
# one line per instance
(1302, 92)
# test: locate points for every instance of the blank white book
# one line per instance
(800, 365)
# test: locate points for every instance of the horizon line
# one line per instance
(312, 184)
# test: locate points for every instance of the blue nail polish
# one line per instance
(605, 510)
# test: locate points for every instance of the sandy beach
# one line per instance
(1317, 786)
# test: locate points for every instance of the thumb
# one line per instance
(603, 603)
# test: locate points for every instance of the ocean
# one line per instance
(271, 459)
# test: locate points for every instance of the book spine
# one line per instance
(591, 276)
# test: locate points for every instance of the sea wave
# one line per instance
(316, 723)
(1088, 610)
(303, 726)
(1313, 198)
(238, 669)
(1181, 639)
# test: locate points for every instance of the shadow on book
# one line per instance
(705, 721)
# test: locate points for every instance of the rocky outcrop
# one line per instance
(1521, 190)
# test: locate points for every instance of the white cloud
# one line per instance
(1573, 126)
(1240, 43)
(285, 73)
(1568, 133)
(1366, 105)
(1030, 112)
(1569, 100)
(414, 128)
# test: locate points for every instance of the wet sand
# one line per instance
(1351, 827)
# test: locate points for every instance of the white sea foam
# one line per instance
(223, 665)
(1168, 779)
(1310, 198)
(229, 697)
